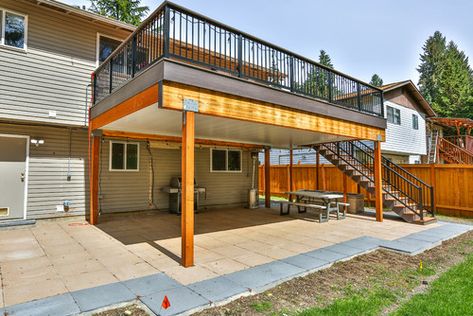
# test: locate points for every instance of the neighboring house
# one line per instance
(48, 51)
(406, 112)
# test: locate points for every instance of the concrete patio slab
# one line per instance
(151, 284)
(63, 304)
(306, 262)
(327, 255)
(218, 289)
(182, 299)
(101, 296)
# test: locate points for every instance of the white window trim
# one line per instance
(226, 159)
(97, 44)
(124, 156)
(2, 36)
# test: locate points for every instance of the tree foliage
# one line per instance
(324, 59)
(128, 11)
(376, 81)
(446, 78)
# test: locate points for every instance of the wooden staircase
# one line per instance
(452, 153)
(403, 193)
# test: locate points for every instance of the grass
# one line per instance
(262, 306)
(448, 295)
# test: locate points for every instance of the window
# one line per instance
(124, 156)
(105, 46)
(394, 115)
(415, 121)
(225, 160)
(13, 28)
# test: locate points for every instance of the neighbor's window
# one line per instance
(225, 160)
(124, 156)
(415, 121)
(13, 29)
(106, 46)
(394, 115)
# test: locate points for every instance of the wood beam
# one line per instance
(235, 107)
(345, 187)
(177, 139)
(267, 178)
(94, 179)
(317, 168)
(291, 169)
(378, 181)
(137, 102)
(187, 194)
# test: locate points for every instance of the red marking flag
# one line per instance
(165, 304)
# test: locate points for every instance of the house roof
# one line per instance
(75, 11)
(411, 87)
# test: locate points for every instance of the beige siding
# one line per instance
(48, 169)
(53, 74)
(130, 191)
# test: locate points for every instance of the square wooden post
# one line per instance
(94, 179)
(378, 181)
(291, 169)
(267, 178)
(345, 187)
(187, 191)
(317, 168)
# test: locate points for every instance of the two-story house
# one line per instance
(48, 51)
(406, 111)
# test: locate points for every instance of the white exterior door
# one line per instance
(13, 162)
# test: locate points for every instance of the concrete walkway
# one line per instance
(188, 298)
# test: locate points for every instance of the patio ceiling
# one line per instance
(156, 121)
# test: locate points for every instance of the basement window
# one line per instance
(13, 28)
(225, 160)
(124, 156)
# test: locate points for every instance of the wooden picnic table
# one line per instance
(330, 201)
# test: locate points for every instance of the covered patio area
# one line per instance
(66, 256)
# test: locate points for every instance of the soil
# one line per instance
(381, 268)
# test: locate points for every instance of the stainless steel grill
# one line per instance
(174, 190)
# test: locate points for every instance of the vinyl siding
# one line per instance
(300, 156)
(403, 139)
(130, 191)
(54, 72)
(48, 169)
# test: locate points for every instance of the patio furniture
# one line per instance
(319, 209)
(329, 200)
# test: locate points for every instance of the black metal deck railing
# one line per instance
(177, 33)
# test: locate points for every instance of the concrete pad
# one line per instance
(411, 247)
(327, 255)
(151, 284)
(218, 289)
(345, 249)
(101, 296)
(257, 278)
(307, 263)
(365, 243)
(56, 305)
(182, 300)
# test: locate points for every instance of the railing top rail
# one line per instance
(449, 143)
(231, 29)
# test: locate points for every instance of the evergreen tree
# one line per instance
(128, 11)
(324, 59)
(446, 79)
(376, 81)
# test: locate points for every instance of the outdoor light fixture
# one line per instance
(37, 141)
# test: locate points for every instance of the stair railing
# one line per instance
(454, 153)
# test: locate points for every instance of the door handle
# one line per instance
(22, 177)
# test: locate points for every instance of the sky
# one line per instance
(362, 37)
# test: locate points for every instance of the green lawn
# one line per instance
(451, 294)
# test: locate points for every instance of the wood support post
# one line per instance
(291, 169)
(317, 167)
(267, 178)
(94, 179)
(345, 188)
(378, 181)
(187, 193)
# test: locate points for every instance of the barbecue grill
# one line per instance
(174, 190)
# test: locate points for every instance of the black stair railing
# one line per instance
(407, 189)
(177, 33)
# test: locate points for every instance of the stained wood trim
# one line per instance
(137, 102)
(378, 181)
(234, 107)
(187, 173)
(177, 139)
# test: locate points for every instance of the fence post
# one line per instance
(240, 56)
(330, 82)
(358, 95)
(166, 31)
(291, 73)
(133, 56)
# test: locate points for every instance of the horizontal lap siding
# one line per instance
(48, 169)
(54, 72)
(130, 191)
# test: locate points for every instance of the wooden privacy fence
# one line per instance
(453, 184)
